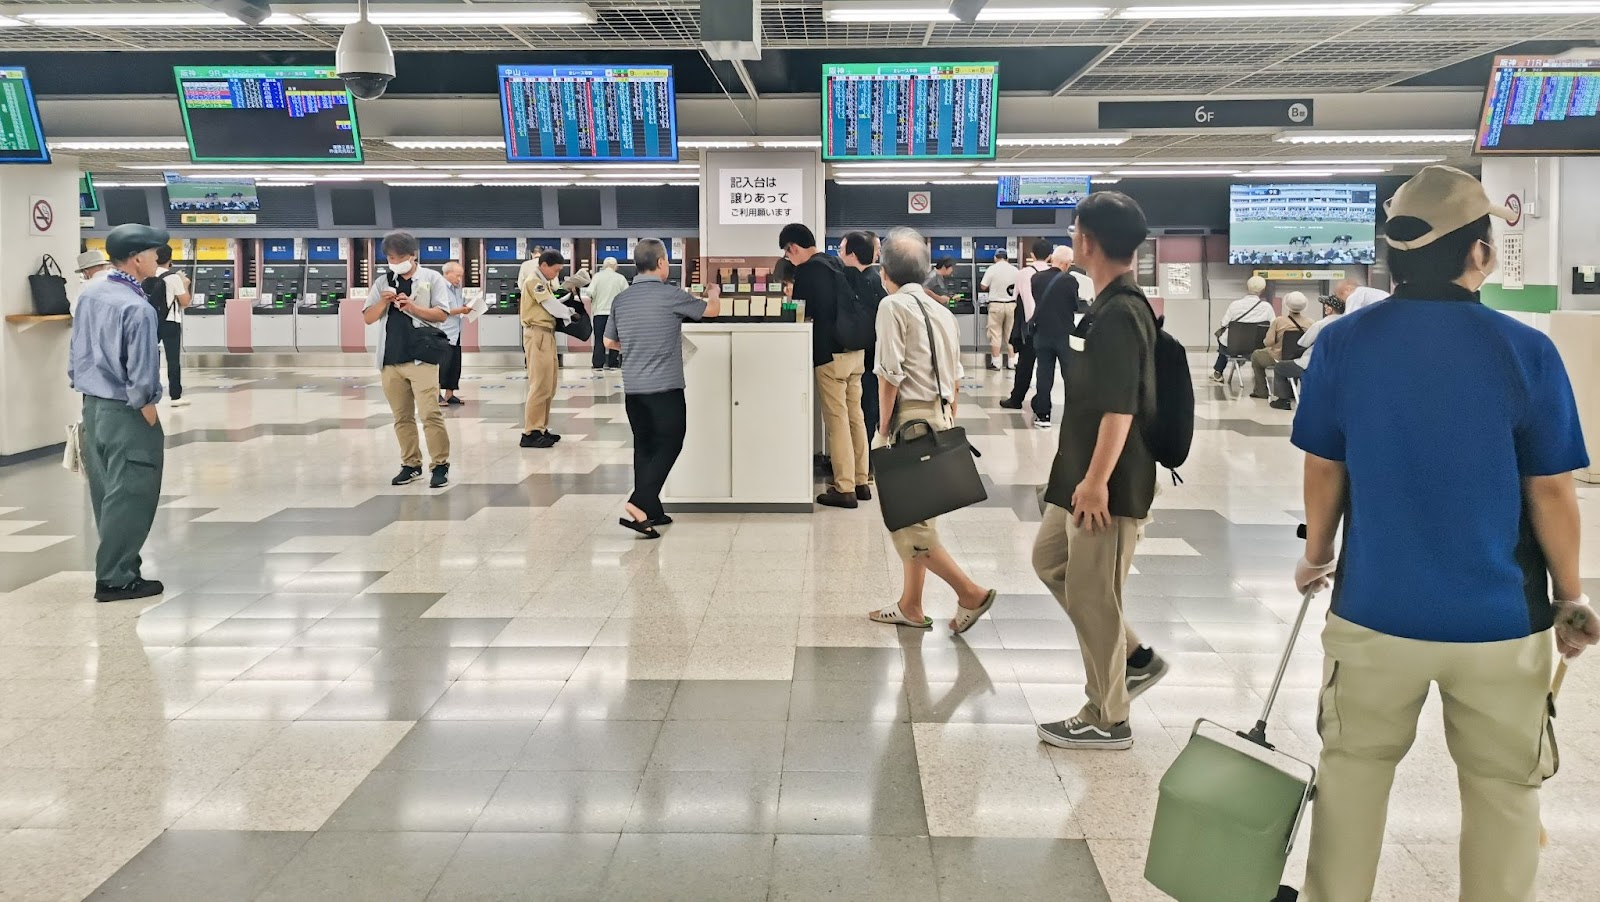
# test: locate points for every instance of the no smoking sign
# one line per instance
(41, 216)
(919, 202)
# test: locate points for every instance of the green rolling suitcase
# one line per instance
(1229, 810)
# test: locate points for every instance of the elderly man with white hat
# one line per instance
(1293, 320)
(92, 263)
(115, 363)
(1452, 476)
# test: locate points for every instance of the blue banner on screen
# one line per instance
(985, 248)
(945, 247)
(1303, 225)
(831, 245)
(1042, 191)
(1541, 106)
(931, 111)
(611, 247)
(591, 113)
(277, 250)
(322, 250)
(434, 250)
(500, 250)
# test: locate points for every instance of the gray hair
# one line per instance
(905, 256)
(648, 254)
(400, 244)
(610, 263)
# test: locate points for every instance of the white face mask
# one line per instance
(403, 268)
(1489, 267)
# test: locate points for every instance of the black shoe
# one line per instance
(406, 475)
(537, 439)
(835, 498)
(663, 520)
(552, 436)
(1260, 397)
(1009, 404)
(1282, 404)
(454, 399)
(863, 492)
(139, 588)
(441, 477)
(1041, 422)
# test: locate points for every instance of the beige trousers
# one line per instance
(1496, 723)
(540, 346)
(1085, 571)
(839, 387)
(412, 390)
(918, 539)
(1002, 317)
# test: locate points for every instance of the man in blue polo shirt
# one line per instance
(1460, 525)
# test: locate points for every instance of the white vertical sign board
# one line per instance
(680, 248)
(568, 248)
(760, 195)
(1512, 260)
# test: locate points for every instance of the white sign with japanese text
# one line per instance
(760, 195)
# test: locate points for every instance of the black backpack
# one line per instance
(1170, 432)
(155, 290)
(855, 321)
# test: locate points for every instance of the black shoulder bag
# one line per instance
(49, 288)
(932, 473)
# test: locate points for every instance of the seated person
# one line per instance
(1294, 319)
(1332, 308)
(1252, 308)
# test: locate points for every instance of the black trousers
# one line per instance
(601, 356)
(1281, 374)
(171, 337)
(1050, 355)
(659, 421)
(450, 368)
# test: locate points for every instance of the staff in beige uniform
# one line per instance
(918, 380)
(537, 280)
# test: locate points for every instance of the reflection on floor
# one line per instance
(354, 691)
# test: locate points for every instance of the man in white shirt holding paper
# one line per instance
(1000, 281)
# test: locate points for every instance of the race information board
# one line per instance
(21, 137)
(597, 114)
(267, 114)
(915, 111)
(1543, 106)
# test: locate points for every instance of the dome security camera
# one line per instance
(364, 59)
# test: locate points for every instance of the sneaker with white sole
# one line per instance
(1080, 734)
(1140, 679)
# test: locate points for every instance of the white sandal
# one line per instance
(966, 617)
(893, 615)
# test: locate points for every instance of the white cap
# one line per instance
(90, 259)
(1446, 199)
(1255, 285)
(1294, 302)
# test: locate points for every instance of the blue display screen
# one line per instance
(596, 114)
(930, 111)
(612, 247)
(21, 136)
(984, 248)
(277, 250)
(322, 250)
(434, 250)
(500, 250)
(1537, 105)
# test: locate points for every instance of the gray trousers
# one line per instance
(123, 456)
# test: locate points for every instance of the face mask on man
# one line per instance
(1491, 263)
(403, 268)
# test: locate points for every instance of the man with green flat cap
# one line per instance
(115, 363)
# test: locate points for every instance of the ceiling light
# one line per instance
(1441, 137)
(988, 181)
(1050, 165)
(446, 143)
(130, 184)
(1104, 181)
(176, 15)
(1164, 173)
(6, 22)
(521, 14)
(908, 164)
(431, 184)
(1108, 140)
(864, 12)
(1265, 11)
(1392, 161)
(119, 144)
(712, 144)
(1051, 13)
(1297, 172)
(268, 183)
(1510, 9)
(855, 181)
(793, 143)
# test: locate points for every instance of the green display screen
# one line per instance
(909, 111)
(21, 137)
(88, 201)
(267, 114)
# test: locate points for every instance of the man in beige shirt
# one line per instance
(537, 279)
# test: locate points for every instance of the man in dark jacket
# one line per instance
(859, 252)
(1021, 340)
(1056, 298)
(819, 280)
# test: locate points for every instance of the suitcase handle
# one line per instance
(1311, 772)
(1258, 733)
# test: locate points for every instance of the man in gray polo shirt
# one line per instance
(646, 325)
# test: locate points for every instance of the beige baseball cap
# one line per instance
(1446, 199)
(91, 258)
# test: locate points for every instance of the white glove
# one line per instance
(879, 440)
(1309, 577)
(1577, 627)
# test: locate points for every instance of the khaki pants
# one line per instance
(1085, 572)
(413, 393)
(918, 539)
(1497, 725)
(1259, 362)
(839, 387)
(1002, 317)
(540, 346)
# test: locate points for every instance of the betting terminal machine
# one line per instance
(327, 279)
(500, 327)
(960, 282)
(212, 285)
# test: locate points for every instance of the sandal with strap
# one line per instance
(966, 617)
(893, 615)
(642, 527)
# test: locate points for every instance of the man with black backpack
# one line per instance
(841, 331)
(859, 253)
(168, 292)
(1104, 476)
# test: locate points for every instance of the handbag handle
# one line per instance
(904, 428)
(49, 267)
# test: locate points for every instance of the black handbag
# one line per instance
(925, 476)
(426, 343)
(49, 288)
(581, 326)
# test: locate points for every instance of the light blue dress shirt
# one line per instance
(451, 326)
(114, 353)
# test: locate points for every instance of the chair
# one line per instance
(1242, 340)
(1291, 349)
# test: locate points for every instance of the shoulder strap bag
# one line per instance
(1223, 329)
(49, 289)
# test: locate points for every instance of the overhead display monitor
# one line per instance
(212, 200)
(589, 114)
(267, 114)
(1042, 191)
(909, 111)
(1302, 224)
(21, 136)
(88, 201)
(1544, 106)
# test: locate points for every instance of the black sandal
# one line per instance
(662, 520)
(642, 527)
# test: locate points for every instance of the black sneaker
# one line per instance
(536, 439)
(863, 492)
(441, 477)
(1282, 404)
(1140, 679)
(1009, 404)
(835, 498)
(406, 475)
(139, 588)
(1080, 734)
(552, 436)
(1041, 422)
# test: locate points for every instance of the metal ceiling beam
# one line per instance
(744, 78)
(1098, 59)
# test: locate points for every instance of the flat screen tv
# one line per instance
(1044, 192)
(589, 114)
(88, 201)
(1302, 225)
(909, 111)
(21, 136)
(1544, 106)
(267, 114)
(211, 194)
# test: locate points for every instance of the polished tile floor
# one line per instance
(353, 691)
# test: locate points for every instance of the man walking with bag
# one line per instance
(115, 364)
(1021, 338)
(1104, 477)
(169, 294)
(410, 299)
